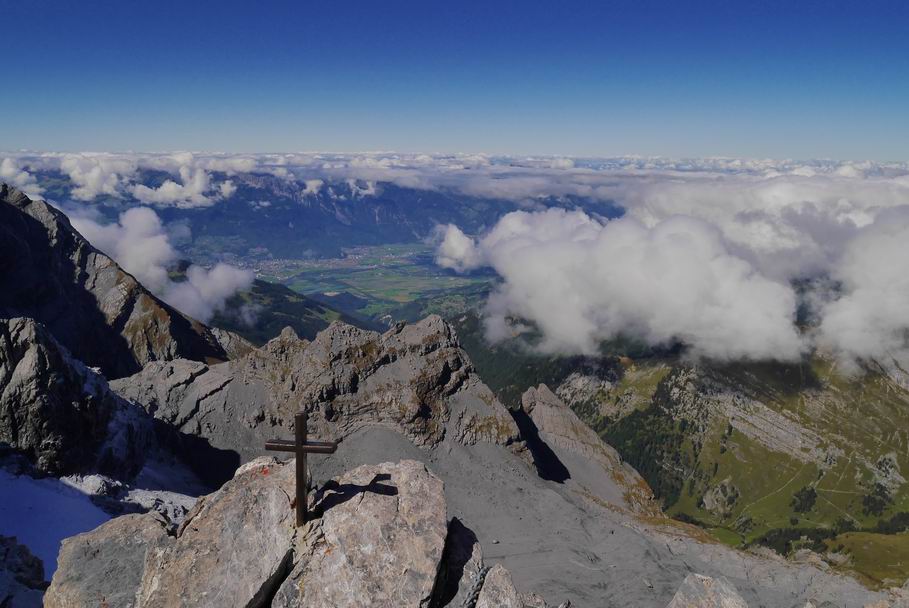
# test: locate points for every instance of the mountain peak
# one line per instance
(101, 313)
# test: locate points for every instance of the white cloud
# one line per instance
(141, 245)
(13, 174)
(191, 192)
(456, 250)
(206, 291)
(97, 174)
(870, 321)
(581, 281)
(312, 186)
(227, 189)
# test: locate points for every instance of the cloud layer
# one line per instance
(581, 281)
(141, 245)
(706, 254)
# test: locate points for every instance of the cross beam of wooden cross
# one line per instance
(301, 447)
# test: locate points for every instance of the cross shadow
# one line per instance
(334, 493)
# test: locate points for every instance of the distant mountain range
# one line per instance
(271, 216)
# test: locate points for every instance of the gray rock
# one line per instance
(591, 462)
(699, 591)
(21, 576)
(498, 591)
(61, 414)
(413, 378)
(377, 539)
(94, 308)
(105, 567)
(228, 551)
(379, 542)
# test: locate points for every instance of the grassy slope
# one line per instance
(272, 307)
(857, 419)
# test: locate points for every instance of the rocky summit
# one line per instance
(107, 319)
(548, 500)
(414, 379)
(381, 538)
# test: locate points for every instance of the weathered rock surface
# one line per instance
(699, 591)
(61, 414)
(378, 539)
(379, 542)
(413, 378)
(498, 591)
(49, 272)
(21, 576)
(225, 552)
(578, 446)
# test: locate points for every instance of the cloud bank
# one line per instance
(581, 281)
(685, 280)
(756, 227)
(141, 245)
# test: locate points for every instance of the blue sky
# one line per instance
(757, 79)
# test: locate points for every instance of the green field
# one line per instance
(389, 277)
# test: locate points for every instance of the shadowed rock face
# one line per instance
(413, 378)
(591, 462)
(61, 414)
(50, 273)
(376, 543)
(21, 576)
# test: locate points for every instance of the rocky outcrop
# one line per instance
(21, 576)
(378, 539)
(699, 591)
(61, 414)
(413, 378)
(378, 543)
(560, 428)
(498, 591)
(234, 345)
(50, 273)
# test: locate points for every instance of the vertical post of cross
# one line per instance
(300, 441)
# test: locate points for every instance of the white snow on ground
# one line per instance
(40, 513)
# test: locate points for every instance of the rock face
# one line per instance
(49, 272)
(413, 378)
(699, 591)
(579, 446)
(21, 576)
(225, 553)
(61, 414)
(379, 541)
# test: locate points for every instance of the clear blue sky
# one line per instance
(683, 78)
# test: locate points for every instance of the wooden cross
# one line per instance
(301, 447)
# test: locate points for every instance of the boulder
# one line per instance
(698, 591)
(378, 543)
(228, 551)
(498, 591)
(378, 537)
(578, 446)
